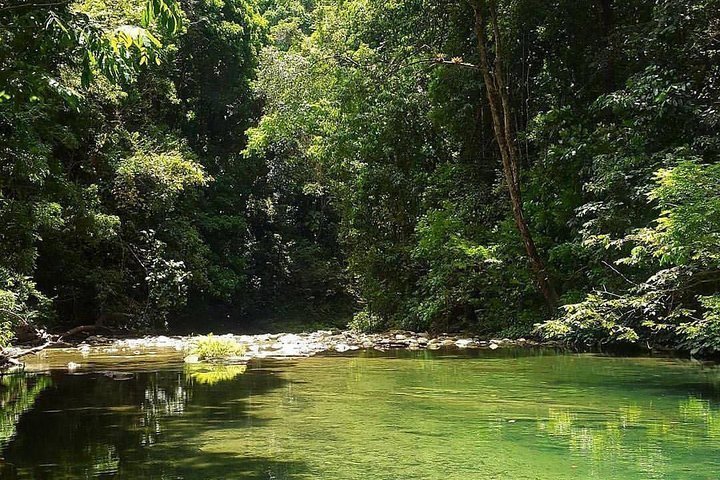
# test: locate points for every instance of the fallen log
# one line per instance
(12, 357)
(29, 351)
(83, 329)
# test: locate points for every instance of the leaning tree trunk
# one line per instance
(499, 101)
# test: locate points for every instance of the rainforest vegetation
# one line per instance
(502, 167)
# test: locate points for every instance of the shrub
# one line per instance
(366, 322)
(20, 304)
(210, 347)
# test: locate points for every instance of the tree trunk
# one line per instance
(499, 101)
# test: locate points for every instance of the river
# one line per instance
(445, 415)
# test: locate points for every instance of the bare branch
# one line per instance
(455, 63)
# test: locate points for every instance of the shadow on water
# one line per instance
(108, 425)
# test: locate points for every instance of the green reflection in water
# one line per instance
(17, 395)
(487, 415)
(212, 373)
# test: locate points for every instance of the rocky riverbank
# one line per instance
(119, 351)
(285, 345)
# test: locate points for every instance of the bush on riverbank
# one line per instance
(677, 306)
(210, 347)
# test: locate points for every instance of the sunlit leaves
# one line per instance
(688, 229)
(117, 53)
(165, 12)
(149, 180)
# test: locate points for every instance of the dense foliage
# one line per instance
(479, 165)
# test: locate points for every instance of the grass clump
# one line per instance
(209, 347)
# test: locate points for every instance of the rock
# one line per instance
(341, 347)
(290, 338)
(464, 343)
(494, 346)
(72, 366)
(84, 350)
(192, 359)
(291, 351)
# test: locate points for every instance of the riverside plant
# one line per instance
(212, 348)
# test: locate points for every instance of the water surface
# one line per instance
(404, 415)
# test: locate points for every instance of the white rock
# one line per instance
(84, 350)
(290, 338)
(192, 359)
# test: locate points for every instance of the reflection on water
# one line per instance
(17, 395)
(210, 374)
(487, 415)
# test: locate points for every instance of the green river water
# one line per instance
(507, 414)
